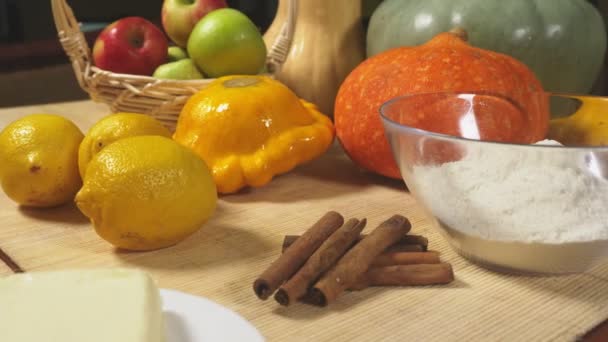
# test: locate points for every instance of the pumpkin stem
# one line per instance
(240, 82)
(460, 33)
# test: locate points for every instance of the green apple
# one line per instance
(175, 53)
(183, 69)
(179, 16)
(227, 42)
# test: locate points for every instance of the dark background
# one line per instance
(28, 37)
(31, 57)
(31, 20)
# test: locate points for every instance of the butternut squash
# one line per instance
(328, 43)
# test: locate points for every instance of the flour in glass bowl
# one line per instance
(515, 194)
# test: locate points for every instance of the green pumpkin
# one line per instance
(562, 41)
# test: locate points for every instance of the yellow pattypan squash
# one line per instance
(250, 128)
(588, 126)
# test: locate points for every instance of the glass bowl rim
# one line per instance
(441, 136)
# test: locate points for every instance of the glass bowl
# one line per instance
(520, 207)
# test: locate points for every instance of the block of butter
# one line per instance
(96, 305)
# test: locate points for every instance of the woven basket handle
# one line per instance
(72, 39)
(277, 54)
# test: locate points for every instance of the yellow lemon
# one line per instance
(112, 128)
(39, 160)
(147, 192)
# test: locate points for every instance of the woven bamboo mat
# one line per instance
(221, 261)
(479, 306)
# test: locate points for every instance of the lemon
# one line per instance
(147, 192)
(39, 160)
(112, 128)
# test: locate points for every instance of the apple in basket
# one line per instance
(227, 42)
(130, 45)
(180, 16)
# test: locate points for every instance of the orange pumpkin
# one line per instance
(445, 63)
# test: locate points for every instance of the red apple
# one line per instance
(180, 16)
(130, 45)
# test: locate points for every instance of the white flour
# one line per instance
(518, 194)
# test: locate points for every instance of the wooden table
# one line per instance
(221, 261)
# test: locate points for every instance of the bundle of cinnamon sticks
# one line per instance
(333, 256)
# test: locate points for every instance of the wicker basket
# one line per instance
(161, 99)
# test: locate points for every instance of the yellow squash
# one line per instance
(588, 126)
(250, 128)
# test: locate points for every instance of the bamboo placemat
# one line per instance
(221, 261)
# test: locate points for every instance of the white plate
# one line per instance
(190, 318)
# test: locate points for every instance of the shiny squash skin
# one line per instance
(562, 41)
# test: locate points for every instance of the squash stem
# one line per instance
(460, 33)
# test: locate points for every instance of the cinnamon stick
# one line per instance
(349, 269)
(408, 243)
(406, 258)
(320, 261)
(396, 254)
(289, 262)
(405, 275)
